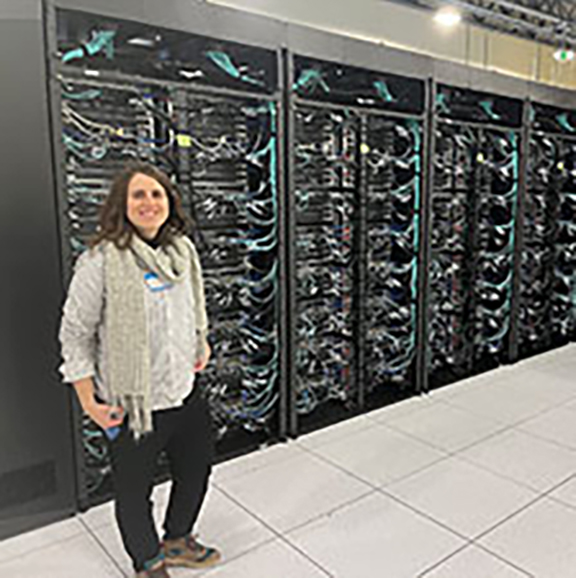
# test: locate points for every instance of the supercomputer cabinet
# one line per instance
(207, 112)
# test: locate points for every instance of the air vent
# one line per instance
(27, 484)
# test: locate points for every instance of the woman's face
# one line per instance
(147, 205)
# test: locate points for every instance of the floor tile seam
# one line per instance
(284, 531)
(305, 554)
(560, 502)
(508, 478)
(226, 561)
(425, 515)
(283, 534)
(443, 560)
(477, 537)
(373, 485)
(59, 541)
(472, 539)
(517, 426)
(340, 468)
(556, 487)
(300, 443)
(515, 421)
(414, 437)
(379, 419)
(276, 534)
(258, 468)
(102, 547)
(454, 451)
(544, 400)
(502, 559)
(547, 439)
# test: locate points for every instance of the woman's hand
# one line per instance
(202, 362)
(106, 416)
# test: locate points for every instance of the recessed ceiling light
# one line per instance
(448, 16)
(136, 41)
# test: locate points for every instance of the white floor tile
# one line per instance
(230, 528)
(380, 455)
(501, 402)
(254, 461)
(276, 559)
(37, 540)
(530, 461)
(222, 523)
(476, 382)
(465, 498)
(540, 540)
(294, 491)
(375, 536)
(557, 425)
(566, 493)
(474, 562)
(571, 404)
(513, 435)
(338, 431)
(445, 427)
(401, 409)
(78, 556)
(109, 537)
(98, 516)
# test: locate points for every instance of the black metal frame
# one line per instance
(62, 204)
(57, 71)
(360, 229)
(513, 346)
(425, 245)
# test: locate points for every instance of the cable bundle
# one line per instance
(393, 173)
(498, 165)
(230, 149)
(473, 219)
(325, 189)
(548, 288)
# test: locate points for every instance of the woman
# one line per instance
(133, 334)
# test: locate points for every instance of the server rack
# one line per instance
(206, 111)
(475, 189)
(548, 261)
(356, 144)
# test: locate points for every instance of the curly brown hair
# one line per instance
(113, 221)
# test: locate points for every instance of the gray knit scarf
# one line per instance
(128, 354)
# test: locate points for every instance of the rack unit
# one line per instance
(474, 201)
(548, 253)
(355, 179)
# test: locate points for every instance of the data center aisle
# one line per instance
(478, 479)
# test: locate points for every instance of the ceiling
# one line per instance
(549, 21)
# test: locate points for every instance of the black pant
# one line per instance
(185, 434)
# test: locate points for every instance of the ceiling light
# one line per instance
(146, 42)
(564, 55)
(448, 16)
